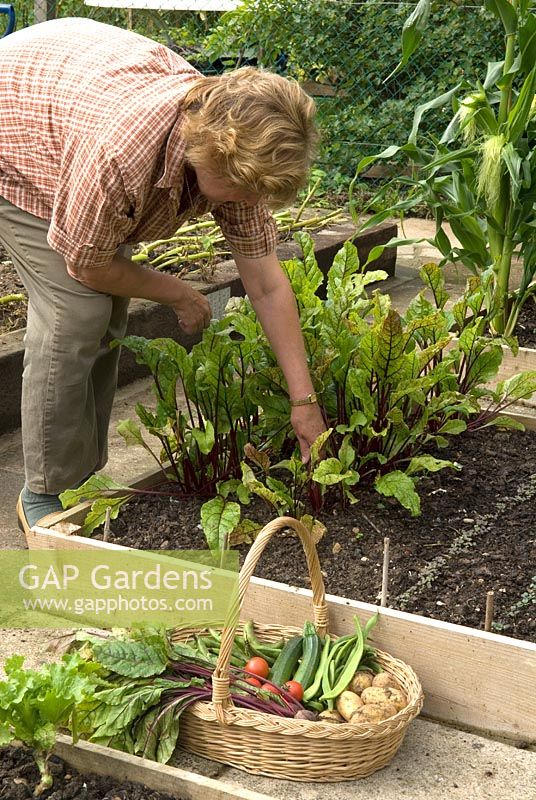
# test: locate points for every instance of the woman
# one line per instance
(107, 139)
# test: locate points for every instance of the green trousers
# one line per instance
(70, 374)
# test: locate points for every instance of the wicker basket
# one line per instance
(279, 747)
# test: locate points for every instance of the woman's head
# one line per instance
(253, 129)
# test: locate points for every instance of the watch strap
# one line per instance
(305, 401)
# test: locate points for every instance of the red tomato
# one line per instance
(254, 682)
(258, 666)
(267, 687)
(295, 689)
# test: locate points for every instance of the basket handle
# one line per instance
(221, 696)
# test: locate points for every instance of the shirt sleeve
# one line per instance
(250, 231)
(92, 213)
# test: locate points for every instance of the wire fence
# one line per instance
(341, 51)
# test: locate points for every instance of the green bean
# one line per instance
(349, 670)
(201, 646)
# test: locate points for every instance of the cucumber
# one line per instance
(287, 661)
(312, 648)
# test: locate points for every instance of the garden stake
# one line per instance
(385, 574)
(106, 531)
(489, 611)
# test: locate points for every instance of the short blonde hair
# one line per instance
(253, 128)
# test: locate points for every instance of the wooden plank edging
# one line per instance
(88, 758)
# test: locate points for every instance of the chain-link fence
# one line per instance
(341, 50)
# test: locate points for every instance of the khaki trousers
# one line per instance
(70, 374)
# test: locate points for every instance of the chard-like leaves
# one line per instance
(330, 472)
(429, 464)
(219, 518)
(400, 486)
(134, 659)
(107, 495)
(157, 733)
(95, 487)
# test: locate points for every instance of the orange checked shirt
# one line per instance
(90, 139)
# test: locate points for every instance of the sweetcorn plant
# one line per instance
(480, 176)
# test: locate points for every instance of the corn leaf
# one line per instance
(505, 11)
(437, 102)
(412, 33)
(520, 113)
(527, 43)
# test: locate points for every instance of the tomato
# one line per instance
(295, 689)
(258, 666)
(254, 682)
(267, 687)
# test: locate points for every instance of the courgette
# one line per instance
(287, 661)
(316, 687)
(312, 648)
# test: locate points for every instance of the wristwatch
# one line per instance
(306, 401)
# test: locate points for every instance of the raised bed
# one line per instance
(151, 320)
(465, 673)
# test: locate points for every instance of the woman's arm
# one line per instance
(125, 278)
(275, 305)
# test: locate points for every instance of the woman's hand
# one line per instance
(308, 424)
(192, 309)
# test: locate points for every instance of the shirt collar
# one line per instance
(173, 175)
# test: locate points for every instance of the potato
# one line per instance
(384, 680)
(360, 681)
(398, 698)
(374, 694)
(389, 709)
(368, 713)
(330, 716)
(347, 703)
(388, 695)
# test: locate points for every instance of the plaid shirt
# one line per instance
(90, 139)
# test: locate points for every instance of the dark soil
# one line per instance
(19, 776)
(526, 324)
(477, 533)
